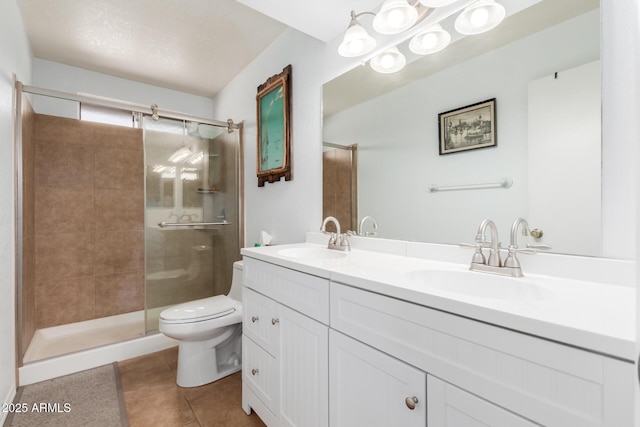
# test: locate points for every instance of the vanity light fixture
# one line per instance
(356, 40)
(395, 16)
(168, 173)
(196, 158)
(479, 17)
(189, 174)
(389, 61)
(180, 154)
(437, 3)
(429, 41)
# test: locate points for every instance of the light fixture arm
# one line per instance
(355, 15)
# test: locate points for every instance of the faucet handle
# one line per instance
(344, 242)
(478, 256)
(542, 247)
(526, 251)
(333, 239)
(475, 245)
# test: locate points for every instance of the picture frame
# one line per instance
(468, 128)
(273, 105)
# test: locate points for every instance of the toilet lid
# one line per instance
(200, 310)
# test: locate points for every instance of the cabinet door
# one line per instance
(370, 388)
(304, 370)
(450, 406)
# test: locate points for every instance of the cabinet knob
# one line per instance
(254, 371)
(254, 319)
(275, 321)
(411, 402)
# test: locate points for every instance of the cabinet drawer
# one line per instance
(303, 292)
(259, 313)
(450, 406)
(260, 373)
(549, 383)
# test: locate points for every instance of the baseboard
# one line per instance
(6, 402)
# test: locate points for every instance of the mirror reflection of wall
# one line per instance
(397, 132)
(340, 185)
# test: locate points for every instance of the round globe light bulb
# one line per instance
(429, 41)
(395, 18)
(479, 17)
(355, 46)
(387, 61)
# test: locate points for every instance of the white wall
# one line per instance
(285, 209)
(15, 58)
(65, 78)
(397, 137)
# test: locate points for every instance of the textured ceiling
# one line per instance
(322, 19)
(194, 46)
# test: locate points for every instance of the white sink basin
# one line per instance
(312, 253)
(479, 285)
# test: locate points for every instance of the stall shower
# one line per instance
(118, 221)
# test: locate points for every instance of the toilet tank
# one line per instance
(235, 291)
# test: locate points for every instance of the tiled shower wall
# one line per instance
(89, 220)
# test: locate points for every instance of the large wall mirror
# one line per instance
(542, 66)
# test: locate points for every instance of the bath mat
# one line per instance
(88, 398)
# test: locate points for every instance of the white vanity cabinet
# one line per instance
(285, 353)
(450, 406)
(370, 388)
(479, 372)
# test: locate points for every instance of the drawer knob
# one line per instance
(254, 319)
(254, 371)
(275, 321)
(411, 402)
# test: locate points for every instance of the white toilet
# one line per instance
(210, 334)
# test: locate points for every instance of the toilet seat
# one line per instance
(200, 310)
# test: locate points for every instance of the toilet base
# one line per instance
(202, 362)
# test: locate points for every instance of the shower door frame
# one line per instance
(20, 90)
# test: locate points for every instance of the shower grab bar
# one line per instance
(503, 183)
(164, 224)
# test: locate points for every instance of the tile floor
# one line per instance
(152, 397)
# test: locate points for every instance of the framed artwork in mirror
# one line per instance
(468, 128)
(273, 104)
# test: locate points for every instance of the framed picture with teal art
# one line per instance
(274, 122)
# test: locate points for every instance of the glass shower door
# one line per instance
(192, 216)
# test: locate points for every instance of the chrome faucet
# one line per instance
(494, 254)
(361, 226)
(493, 264)
(337, 240)
(512, 261)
